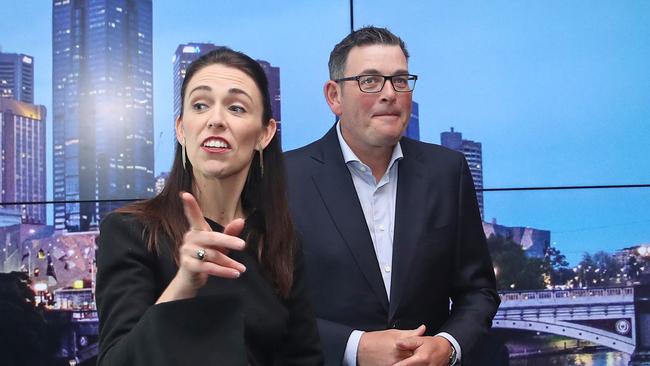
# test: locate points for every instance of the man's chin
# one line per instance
(387, 140)
(389, 119)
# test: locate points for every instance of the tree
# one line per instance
(514, 270)
(23, 333)
(557, 267)
(599, 269)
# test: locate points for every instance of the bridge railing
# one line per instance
(566, 297)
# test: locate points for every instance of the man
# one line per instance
(391, 226)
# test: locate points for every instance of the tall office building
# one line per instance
(474, 155)
(102, 107)
(413, 128)
(22, 164)
(17, 77)
(188, 52)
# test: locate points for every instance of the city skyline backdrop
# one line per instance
(556, 93)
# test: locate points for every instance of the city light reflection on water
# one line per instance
(605, 358)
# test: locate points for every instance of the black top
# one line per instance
(229, 322)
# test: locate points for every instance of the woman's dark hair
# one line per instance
(264, 199)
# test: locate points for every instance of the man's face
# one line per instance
(373, 120)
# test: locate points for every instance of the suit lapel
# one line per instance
(336, 188)
(411, 188)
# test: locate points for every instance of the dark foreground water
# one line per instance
(602, 358)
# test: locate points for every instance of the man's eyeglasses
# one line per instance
(375, 83)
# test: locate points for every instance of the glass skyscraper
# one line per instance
(17, 77)
(22, 161)
(102, 107)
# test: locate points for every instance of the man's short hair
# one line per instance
(366, 36)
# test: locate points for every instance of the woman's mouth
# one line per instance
(215, 144)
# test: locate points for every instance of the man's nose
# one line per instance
(388, 91)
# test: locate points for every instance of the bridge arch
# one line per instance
(576, 331)
(603, 316)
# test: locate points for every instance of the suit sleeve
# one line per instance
(134, 331)
(335, 338)
(473, 294)
(302, 343)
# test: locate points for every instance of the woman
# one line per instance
(176, 288)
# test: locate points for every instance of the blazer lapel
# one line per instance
(411, 187)
(336, 188)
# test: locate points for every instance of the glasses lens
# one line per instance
(371, 83)
(404, 82)
(401, 83)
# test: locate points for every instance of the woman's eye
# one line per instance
(199, 106)
(237, 109)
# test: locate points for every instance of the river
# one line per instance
(600, 358)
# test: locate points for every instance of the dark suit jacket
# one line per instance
(229, 322)
(439, 249)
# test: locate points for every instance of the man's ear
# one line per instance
(268, 132)
(332, 92)
(180, 132)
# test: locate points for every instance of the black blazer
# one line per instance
(439, 249)
(229, 322)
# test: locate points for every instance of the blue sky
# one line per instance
(557, 92)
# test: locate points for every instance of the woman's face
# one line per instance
(221, 126)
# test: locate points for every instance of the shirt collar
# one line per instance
(349, 155)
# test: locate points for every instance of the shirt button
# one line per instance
(363, 169)
(381, 227)
(387, 268)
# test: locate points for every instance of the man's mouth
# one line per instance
(387, 114)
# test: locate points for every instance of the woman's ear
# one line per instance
(268, 132)
(180, 132)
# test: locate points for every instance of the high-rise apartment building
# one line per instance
(102, 107)
(22, 163)
(474, 155)
(17, 77)
(188, 52)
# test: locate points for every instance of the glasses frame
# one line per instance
(386, 77)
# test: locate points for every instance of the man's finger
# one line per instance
(193, 213)
(411, 361)
(417, 332)
(409, 344)
(234, 228)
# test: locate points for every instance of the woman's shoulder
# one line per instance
(117, 219)
(123, 228)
